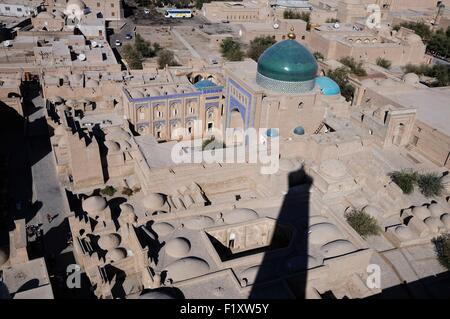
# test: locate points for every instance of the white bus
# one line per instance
(178, 13)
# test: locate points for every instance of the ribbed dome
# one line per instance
(287, 61)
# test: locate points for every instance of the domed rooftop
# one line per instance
(323, 233)
(436, 210)
(404, 232)
(299, 130)
(126, 208)
(434, 224)
(163, 229)
(333, 168)
(198, 222)
(178, 247)
(187, 268)
(446, 182)
(445, 219)
(411, 78)
(94, 204)
(109, 241)
(413, 38)
(327, 86)
(153, 201)
(160, 293)
(287, 67)
(337, 248)
(116, 254)
(421, 212)
(272, 132)
(78, 3)
(240, 215)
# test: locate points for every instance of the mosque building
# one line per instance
(283, 90)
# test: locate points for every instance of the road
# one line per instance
(193, 52)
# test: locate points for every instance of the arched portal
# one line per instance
(236, 120)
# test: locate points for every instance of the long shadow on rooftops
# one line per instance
(282, 272)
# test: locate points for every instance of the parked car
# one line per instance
(128, 36)
(146, 11)
(118, 43)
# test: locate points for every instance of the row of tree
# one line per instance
(439, 72)
(305, 16)
(232, 50)
(135, 54)
(438, 42)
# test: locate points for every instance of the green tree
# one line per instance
(442, 248)
(430, 184)
(405, 179)
(319, 56)
(384, 63)
(108, 191)
(419, 28)
(440, 72)
(305, 16)
(166, 57)
(132, 56)
(364, 224)
(340, 76)
(356, 67)
(143, 47)
(331, 20)
(258, 45)
(231, 50)
(127, 191)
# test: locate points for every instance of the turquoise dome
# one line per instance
(272, 132)
(287, 66)
(327, 86)
(299, 130)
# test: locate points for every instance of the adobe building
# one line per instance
(245, 11)
(110, 10)
(20, 8)
(421, 126)
(335, 41)
(10, 91)
(20, 277)
(166, 102)
(280, 91)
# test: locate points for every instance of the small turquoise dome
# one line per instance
(327, 86)
(287, 66)
(272, 132)
(299, 130)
